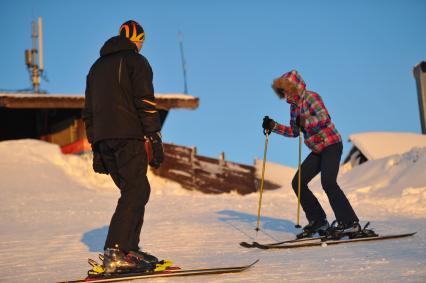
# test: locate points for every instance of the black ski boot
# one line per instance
(314, 226)
(339, 229)
(116, 261)
(364, 233)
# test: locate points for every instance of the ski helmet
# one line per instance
(133, 31)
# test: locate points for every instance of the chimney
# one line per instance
(419, 72)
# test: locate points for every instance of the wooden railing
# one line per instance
(206, 174)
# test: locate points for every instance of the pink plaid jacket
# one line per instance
(318, 131)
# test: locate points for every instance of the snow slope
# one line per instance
(54, 214)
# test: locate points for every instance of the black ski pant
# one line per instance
(126, 162)
(327, 162)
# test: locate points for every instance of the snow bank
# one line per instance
(41, 154)
(395, 184)
(275, 173)
(78, 168)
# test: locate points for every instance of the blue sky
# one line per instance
(358, 55)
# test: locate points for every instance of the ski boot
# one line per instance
(140, 255)
(158, 265)
(116, 261)
(314, 226)
(363, 233)
(339, 229)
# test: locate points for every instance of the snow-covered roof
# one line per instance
(376, 145)
(30, 100)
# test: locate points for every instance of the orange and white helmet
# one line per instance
(133, 31)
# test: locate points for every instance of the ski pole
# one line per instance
(261, 182)
(299, 178)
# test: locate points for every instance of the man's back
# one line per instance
(114, 84)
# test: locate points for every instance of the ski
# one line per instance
(167, 273)
(320, 243)
(257, 244)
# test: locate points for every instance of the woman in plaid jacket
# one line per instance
(308, 114)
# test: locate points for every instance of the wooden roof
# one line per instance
(55, 101)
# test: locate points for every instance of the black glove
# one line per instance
(268, 125)
(98, 163)
(157, 149)
(300, 122)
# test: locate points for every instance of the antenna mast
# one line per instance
(40, 45)
(183, 62)
(35, 68)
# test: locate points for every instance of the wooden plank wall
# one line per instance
(206, 174)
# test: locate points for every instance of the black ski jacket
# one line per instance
(120, 99)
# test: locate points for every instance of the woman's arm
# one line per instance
(288, 131)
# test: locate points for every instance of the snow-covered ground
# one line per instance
(54, 214)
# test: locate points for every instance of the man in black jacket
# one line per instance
(119, 114)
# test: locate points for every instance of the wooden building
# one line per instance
(57, 119)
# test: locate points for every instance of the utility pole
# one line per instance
(35, 68)
(419, 72)
(185, 91)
